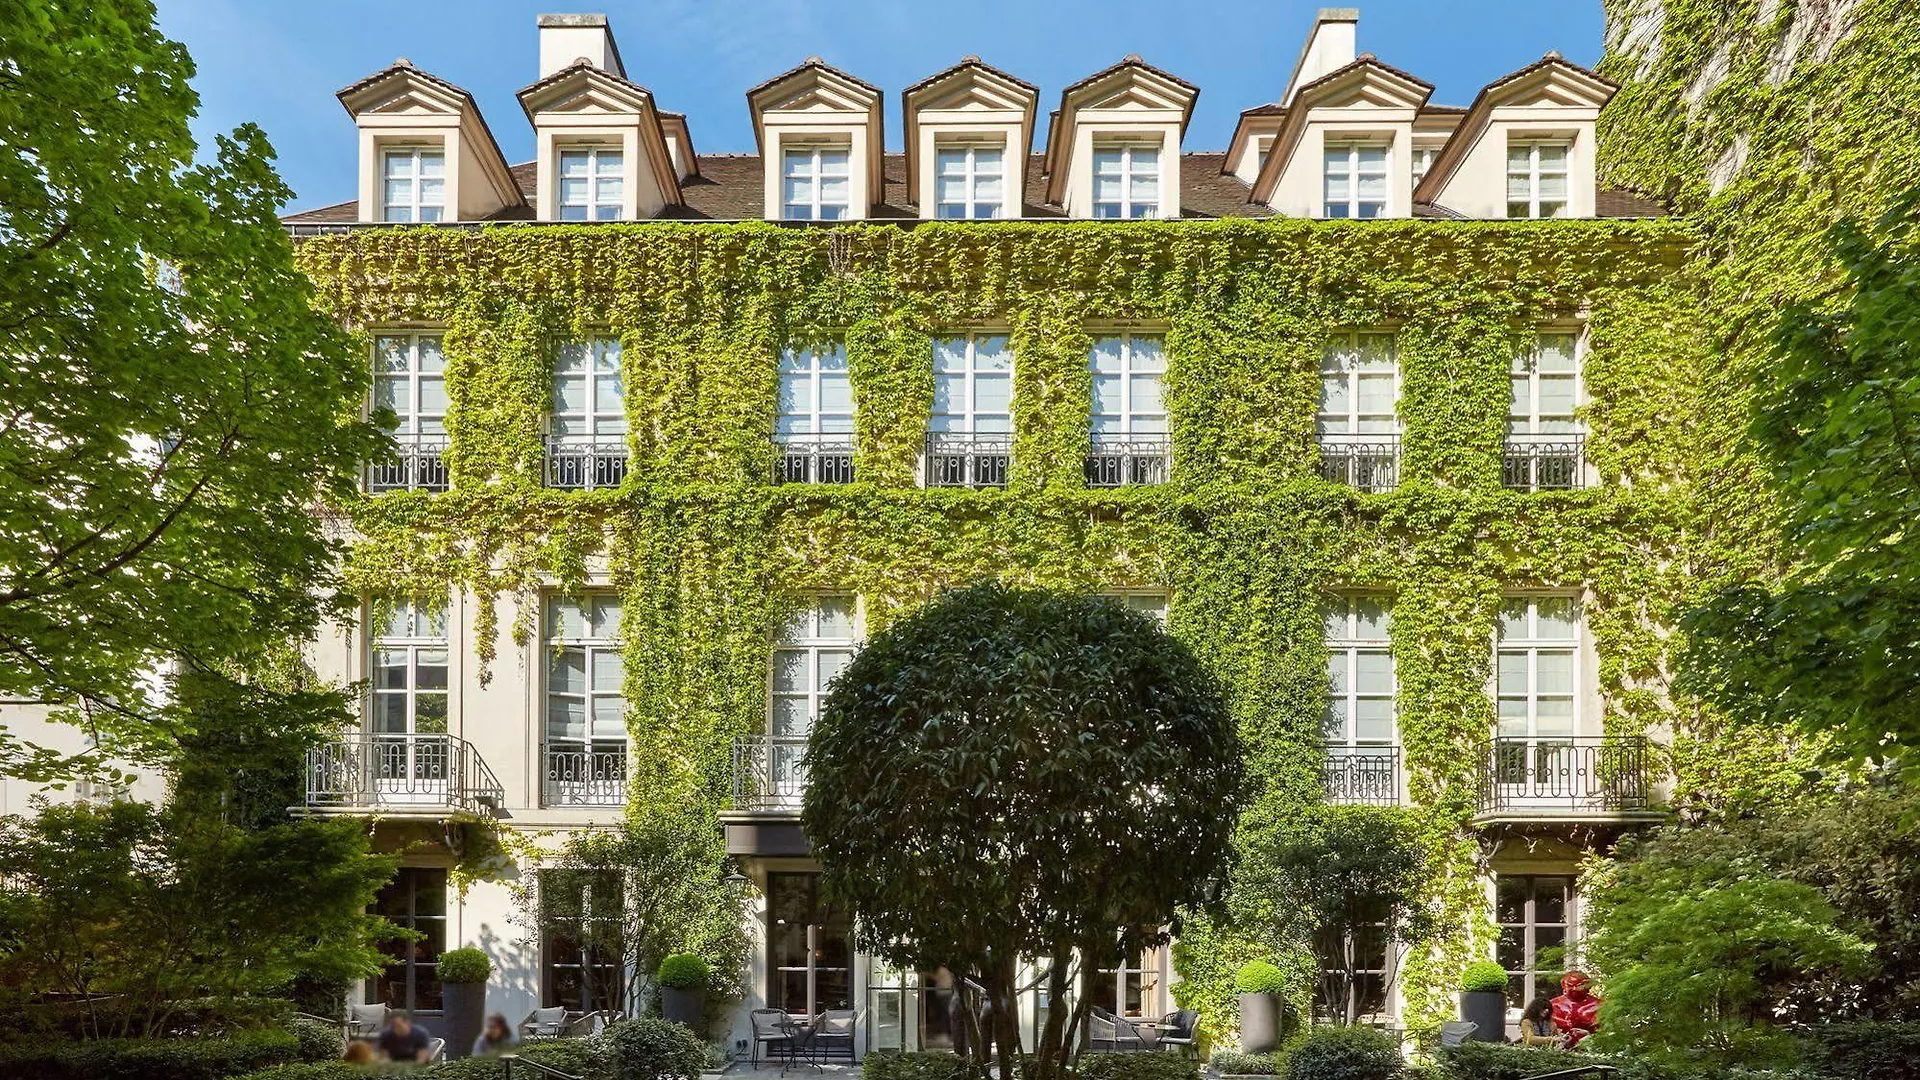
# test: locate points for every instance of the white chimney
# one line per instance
(567, 38)
(1330, 47)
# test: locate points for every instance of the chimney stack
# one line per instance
(1330, 47)
(567, 38)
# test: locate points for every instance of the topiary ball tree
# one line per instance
(1011, 773)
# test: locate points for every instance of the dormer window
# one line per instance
(815, 183)
(1536, 179)
(970, 181)
(1422, 161)
(1126, 181)
(592, 184)
(1356, 180)
(415, 180)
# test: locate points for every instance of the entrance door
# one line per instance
(809, 948)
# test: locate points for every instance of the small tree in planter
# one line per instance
(683, 984)
(1483, 1000)
(1261, 986)
(463, 982)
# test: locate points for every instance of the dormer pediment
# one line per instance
(1131, 85)
(585, 89)
(1551, 83)
(1133, 98)
(402, 89)
(814, 87)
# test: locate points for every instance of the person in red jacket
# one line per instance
(1576, 1012)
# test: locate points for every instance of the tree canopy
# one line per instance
(1008, 774)
(171, 405)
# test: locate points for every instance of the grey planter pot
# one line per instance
(681, 1005)
(1259, 1023)
(466, 1016)
(1488, 1011)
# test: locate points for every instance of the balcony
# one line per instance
(1365, 463)
(1568, 778)
(1128, 462)
(586, 465)
(1544, 463)
(577, 776)
(965, 460)
(1362, 775)
(813, 459)
(429, 775)
(769, 772)
(418, 464)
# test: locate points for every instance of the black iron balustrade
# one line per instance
(419, 464)
(1364, 463)
(398, 772)
(769, 772)
(1125, 462)
(1569, 774)
(959, 459)
(1544, 462)
(1362, 775)
(586, 464)
(813, 459)
(578, 776)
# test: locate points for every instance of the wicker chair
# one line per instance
(1107, 1033)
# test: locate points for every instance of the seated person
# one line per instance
(359, 1052)
(402, 1041)
(496, 1038)
(1536, 1024)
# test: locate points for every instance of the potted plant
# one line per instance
(463, 986)
(1261, 985)
(1483, 1000)
(683, 983)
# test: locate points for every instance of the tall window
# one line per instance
(815, 424)
(592, 184)
(1355, 968)
(1129, 421)
(809, 947)
(416, 900)
(813, 647)
(1538, 664)
(1359, 383)
(1126, 181)
(1356, 180)
(1359, 724)
(586, 724)
(1151, 604)
(1536, 179)
(815, 184)
(582, 913)
(414, 185)
(589, 400)
(409, 377)
(1546, 387)
(970, 181)
(969, 435)
(1536, 921)
(410, 671)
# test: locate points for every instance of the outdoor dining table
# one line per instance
(798, 1034)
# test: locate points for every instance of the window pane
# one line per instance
(1558, 617)
(836, 619)
(609, 163)
(991, 354)
(608, 672)
(1553, 157)
(1106, 394)
(1556, 395)
(567, 671)
(1372, 618)
(1513, 674)
(951, 162)
(607, 395)
(991, 393)
(1553, 672)
(1337, 673)
(1146, 393)
(1373, 720)
(1106, 163)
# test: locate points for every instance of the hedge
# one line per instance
(1235, 1063)
(190, 1016)
(1138, 1067)
(912, 1065)
(197, 1058)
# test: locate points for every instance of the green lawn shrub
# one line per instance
(198, 1058)
(1344, 1053)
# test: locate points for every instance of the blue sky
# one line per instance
(278, 62)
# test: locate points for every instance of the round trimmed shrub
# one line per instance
(319, 1040)
(683, 971)
(464, 966)
(1484, 977)
(1260, 977)
(1344, 1053)
(654, 1049)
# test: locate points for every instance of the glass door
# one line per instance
(407, 718)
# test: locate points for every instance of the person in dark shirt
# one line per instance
(402, 1041)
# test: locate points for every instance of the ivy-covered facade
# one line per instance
(712, 544)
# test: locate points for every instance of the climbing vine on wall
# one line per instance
(709, 556)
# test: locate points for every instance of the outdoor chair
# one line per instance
(1455, 1032)
(436, 1049)
(587, 1025)
(366, 1021)
(833, 1035)
(545, 1023)
(1180, 1031)
(770, 1029)
(1107, 1033)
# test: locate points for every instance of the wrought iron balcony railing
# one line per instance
(1125, 462)
(769, 772)
(371, 772)
(586, 464)
(960, 459)
(1362, 775)
(578, 776)
(418, 464)
(1361, 462)
(813, 459)
(1557, 775)
(1544, 462)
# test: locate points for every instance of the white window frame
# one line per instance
(1526, 979)
(1155, 604)
(1534, 173)
(425, 632)
(1422, 163)
(1128, 371)
(1526, 365)
(598, 205)
(414, 421)
(971, 372)
(600, 425)
(811, 644)
(1153, 963)
(596, 651)
(1532, 646)
(415, 204)
(1353, 173)
(1344, 348)
(1345, 646)
(816, 204)
(1128, 170)
(971, 174)
(816, 364)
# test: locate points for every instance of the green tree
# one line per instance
(1336, 887)
(172, 405)
(1833, 645)
(1008, 774)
